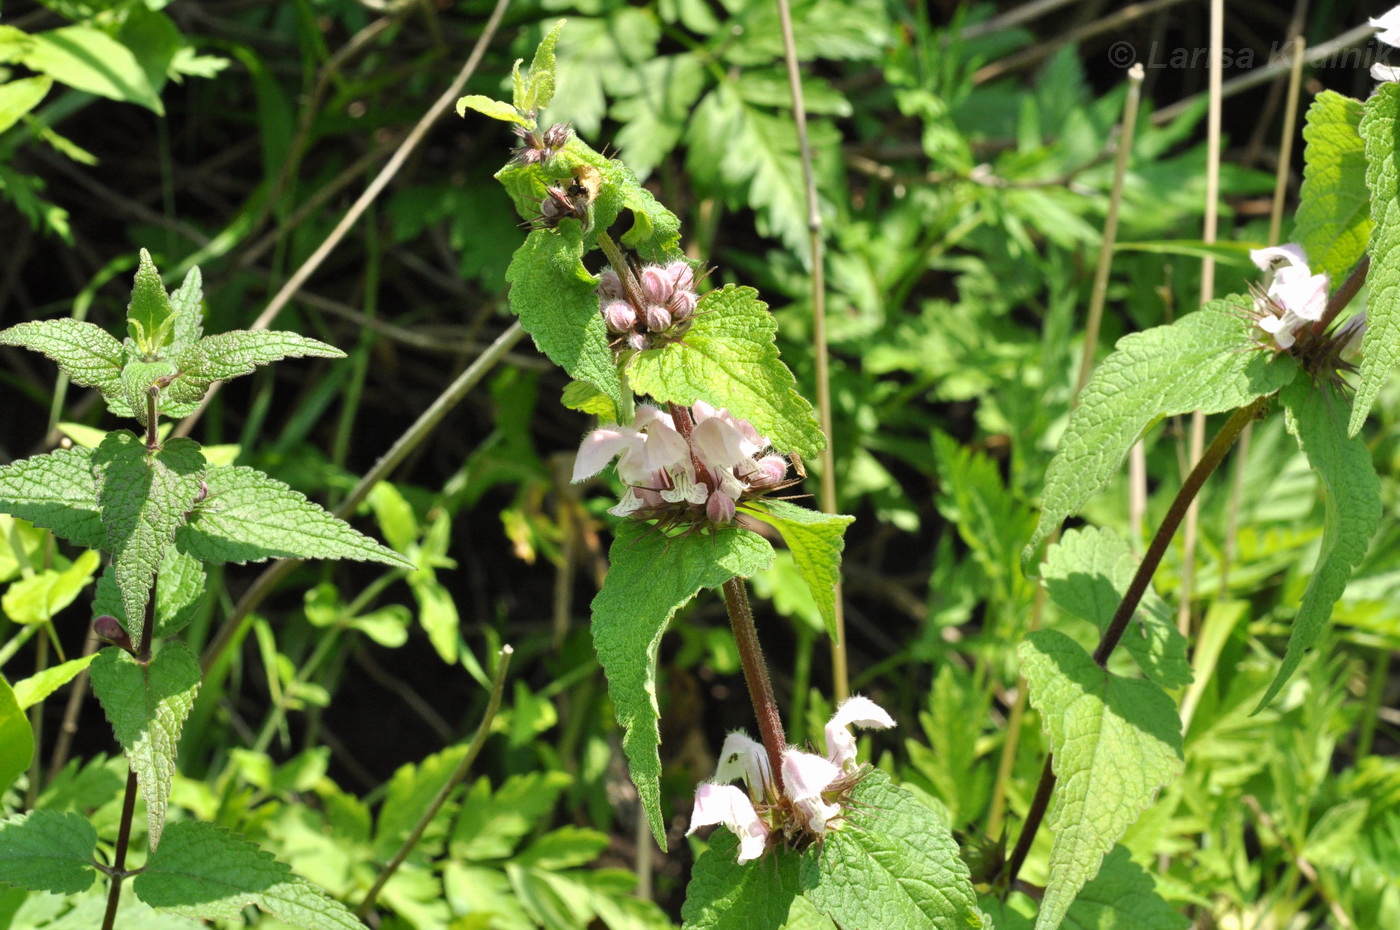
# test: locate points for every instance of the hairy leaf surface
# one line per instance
(1334, 207)
(724, 895)
(228, 355)
(1206, 360)
(816, 540)
(57, 492)
(88, 354)
(728, 358)
(1380, 346)
(147, 705)
(1352, 502)
(651, 577)
(1116, 743)
(249, 517)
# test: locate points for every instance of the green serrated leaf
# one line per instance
(36, 687)
(539, 85)
(179, 589)
(491, 824)
(496, 109)
(147, 705)
(409, 794)
(138, 380)
(557, 302)
(1087, 574)
(249, 517)
(892, 863)
(16, 740)
(1334, 215)
(1116, 743)
(88, 354)
(48, 851)
(1352, 502)
(724, 895)
(728, 358)
(145, 497)
(228, 355)
(651, 577)
(584, 397)
(148, 316)
(187, 305)
(204, 871)
(1204, 361)
(57, 492)
(1122, 895)
(816, 540)
(1380, 346)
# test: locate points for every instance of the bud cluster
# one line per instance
(656, 309)
(685, 473)
(537, 147)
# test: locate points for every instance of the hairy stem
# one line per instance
(1209, 461)
(1344, 294)
(483, 729)
(770, 722)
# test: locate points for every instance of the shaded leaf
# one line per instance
(1380, 346)
(48, 851)
(816, 540)
(724, 895)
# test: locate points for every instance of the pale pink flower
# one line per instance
(805, 777)
(1389, 24)
(727, 805)
(1295, 297)
(854, 711)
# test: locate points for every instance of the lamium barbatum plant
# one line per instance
(161, 513)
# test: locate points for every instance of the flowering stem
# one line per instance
(770, 723)
(1209, 461)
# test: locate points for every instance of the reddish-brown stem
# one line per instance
(770, 723)
(1210, 460)
(1344, 295)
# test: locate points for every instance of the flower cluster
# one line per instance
(654, 307)
(1295, 297)
(702, 466)
(814, 787)
(538, 147)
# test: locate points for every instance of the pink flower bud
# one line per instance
(720, 507)
(610, 286)
(109, 629)
(658, 318)
(681, 305)
(681, 275)
(639, 341)
(772, 469)
(656, 284)
(620, 316)
(557, 135)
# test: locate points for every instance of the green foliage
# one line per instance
(1352, 504)
(56, 492)
(724, 895)
(180, 582)
(1201, 362)
(816, 540)
(1116, 743)
(149, 318)
(728, 359)
(652, 576)
(204, 871)
(1087, 573)
(39, 597)
(36, 687)
(1334, 217)
(16, 737)
(892, 863)
(145, 495)
(249, 517)
(1121, 895)
(147, 704)
(229, 355)
(48, 851)
(1378, 346)
(89, 355)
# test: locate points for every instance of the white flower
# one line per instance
(854, 711)
(812, 784)
(725, 804)
(1389, 24)
(1295, 297)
